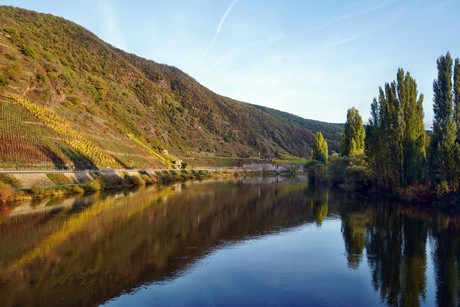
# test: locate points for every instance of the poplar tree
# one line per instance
(352, 143)
(320, 150)
(414, 135)
(395, 136)
(443, 146)
(457, 97)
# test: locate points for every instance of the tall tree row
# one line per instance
(396, 147)
(444, 145)
(395, 136)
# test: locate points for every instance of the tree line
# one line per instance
(394, 146)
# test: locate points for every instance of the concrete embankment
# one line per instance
(28, 179)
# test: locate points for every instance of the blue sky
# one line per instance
(311, 58)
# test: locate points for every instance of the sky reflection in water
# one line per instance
(230, 243)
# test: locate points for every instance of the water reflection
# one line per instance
(88, 250)
(395, 238)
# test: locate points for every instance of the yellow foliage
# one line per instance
(69, 135)
(153, 152)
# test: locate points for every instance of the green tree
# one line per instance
(443, 147)
(320, 149)
(352, 143)
(457, 97)
(414, 136)
(395, 136)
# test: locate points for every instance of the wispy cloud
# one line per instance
(349, 38)
(439, 4)
(219, 27)
(275, 37)
(350, 15)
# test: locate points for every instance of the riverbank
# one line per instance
(19, 186)
(352, 174)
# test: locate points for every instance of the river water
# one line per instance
(250, 242)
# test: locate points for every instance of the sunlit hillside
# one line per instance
(70, 100)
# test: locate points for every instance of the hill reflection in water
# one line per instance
(284, 239)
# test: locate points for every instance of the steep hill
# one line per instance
(68, 99)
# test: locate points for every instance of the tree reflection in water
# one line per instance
(394, 239)
(107, 245)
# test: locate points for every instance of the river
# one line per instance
(246, 242)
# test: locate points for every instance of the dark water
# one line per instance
(228, 244)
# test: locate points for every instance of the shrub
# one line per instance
(111, 183)
(28, 51)
(92, 186)
(337, 169)
(291, 171)
(358, 177)
(40, 77)
(10, 180)
(442, 188)
(6, 193)
(148, 180)
(167, 177)
(134, 180)
(417, 193)
(3, 80)
(78, 190)
(316, 171)
(36, 190)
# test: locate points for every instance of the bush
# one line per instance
(134, 180)
(417, 193)
(6, 193)
(316, 171)
(442, 188)
(337, 169)
(148, 180)
(4, 80)
(291, 171)
(358, 178)
(78, 190)
(167, 177)
(10, 180)
(92, 186)
(28, 51)
(38, 191)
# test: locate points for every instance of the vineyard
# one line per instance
(80, 103)
(25, 142)
(69, 135)
(33, 136)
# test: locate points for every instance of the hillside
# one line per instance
(68, 100)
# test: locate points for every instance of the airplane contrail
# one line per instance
(219, 27)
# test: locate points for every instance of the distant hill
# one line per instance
(68, 99)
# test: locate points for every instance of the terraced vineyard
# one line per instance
(77, 102)
(27, 144)
(35, 137)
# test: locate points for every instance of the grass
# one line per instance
(59, 179)
(162, 158)
(10, 180)
(290, 159)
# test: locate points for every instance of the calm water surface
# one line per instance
(236, 243)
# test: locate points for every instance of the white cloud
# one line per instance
(219, 27)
